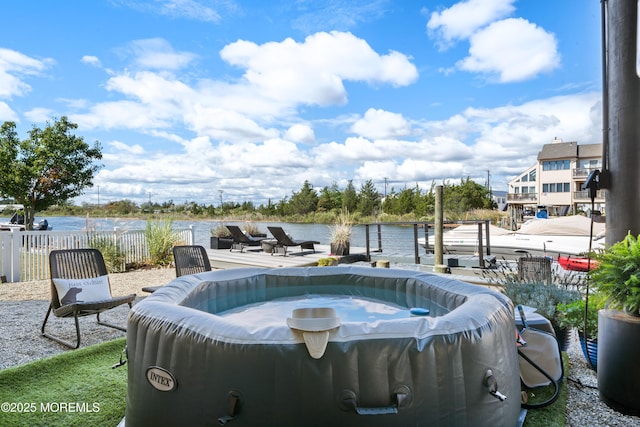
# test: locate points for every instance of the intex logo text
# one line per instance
(161, 379)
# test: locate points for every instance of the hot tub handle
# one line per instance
(491, 383)
(402, 396)
(234, 401)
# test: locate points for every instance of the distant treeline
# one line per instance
(309, 205)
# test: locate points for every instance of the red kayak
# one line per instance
(577, 263)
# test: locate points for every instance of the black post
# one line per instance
(480, 246)
(415, 244)
(487, 223)
(366, 238)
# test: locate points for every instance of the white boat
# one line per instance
(568, 235)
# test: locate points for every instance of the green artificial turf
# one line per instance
(553, 415)
(77, 388)
(95, 394)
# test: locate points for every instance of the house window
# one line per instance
(532, 175)
(525, 178)
(553, 165)
(556, 187)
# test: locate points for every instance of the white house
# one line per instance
(555, 182)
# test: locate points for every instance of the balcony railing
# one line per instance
(522, 197)
(582, 172)
(584, 195)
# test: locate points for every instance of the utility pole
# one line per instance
(385, 187)
(221, 191)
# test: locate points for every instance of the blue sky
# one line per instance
(192, 97)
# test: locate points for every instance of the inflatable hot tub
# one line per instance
(204, 350)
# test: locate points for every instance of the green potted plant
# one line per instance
(617, 278)
(341, 234)
(572, 316)
(221, 237)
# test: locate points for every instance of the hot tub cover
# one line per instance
(190, 366)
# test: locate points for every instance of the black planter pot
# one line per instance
(221, 243)
(340, 249)
(618, 355)
(563, 335)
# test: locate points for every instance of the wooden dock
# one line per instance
(250, 257)
(224, 259)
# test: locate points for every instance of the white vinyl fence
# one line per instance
(24, 255)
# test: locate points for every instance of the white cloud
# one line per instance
(39, 115)
(503, 140)
(300, 133)
(380, 124)
(463, 19)
(227, 125)
(514, 49)
(157, 53)
(190, 9)
(6, 113)
(278, 78)
(198, 10)
(14, 67)
(91, 60)
(125, 149)
(312, 72)
(338, 15)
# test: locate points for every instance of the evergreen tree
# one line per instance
(350, 198)
(368, 199)
(406, 201)
(305, 201)
(330, 199)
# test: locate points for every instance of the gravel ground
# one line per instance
(23, 307)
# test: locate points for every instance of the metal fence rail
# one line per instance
(24, 255)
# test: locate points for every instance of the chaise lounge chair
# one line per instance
(241, 240)
(283, 241)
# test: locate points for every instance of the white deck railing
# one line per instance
(24, 255)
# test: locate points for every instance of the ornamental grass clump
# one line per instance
(341, 230)
(221, 231)
(161, 238)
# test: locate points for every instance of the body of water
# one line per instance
(397, 240)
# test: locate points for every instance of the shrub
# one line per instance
(160, 239)
(572, 315)
(323, 262)
(114, 256)
(563, 289)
